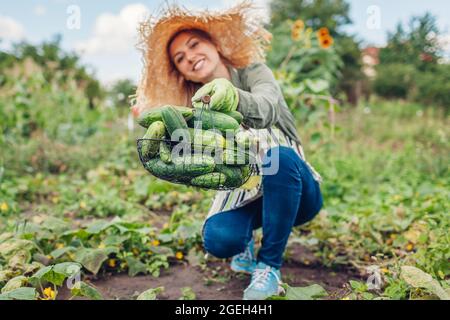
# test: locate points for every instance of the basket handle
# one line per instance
(206, 99)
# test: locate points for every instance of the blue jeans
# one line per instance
(291, 197)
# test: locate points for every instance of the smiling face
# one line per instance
(194, 56)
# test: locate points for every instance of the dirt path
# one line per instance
(217, 281)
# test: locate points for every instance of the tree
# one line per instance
(121, 91)
(57, 65)
(409, 64)
(415, 44)
(321, 13)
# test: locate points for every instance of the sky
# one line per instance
(105, 32)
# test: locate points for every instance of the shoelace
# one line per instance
(261, 276)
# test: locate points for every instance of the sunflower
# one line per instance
(298, 25)
(326, 42)
(296, 35)
(323, 32)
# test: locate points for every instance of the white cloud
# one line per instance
(10, 29)
(40, 10)
(115, 34)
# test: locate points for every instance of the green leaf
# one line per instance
(23, 293)
(98, 226)
(47, 274)
(115, 240)
(150, 294)
(135, 266)
(82, 289)
(358, 286)
(6, 274)
(317, 86)
(68, 269)
(11, 246)
(91, 259)
(316, 137)
(56, 225)
(15, 283)
(61, 251)
(419, 279)
(19, 259)
(165, 237)
(162, 250)
(305, 293)
(187, 294)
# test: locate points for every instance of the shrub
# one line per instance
(394, 80)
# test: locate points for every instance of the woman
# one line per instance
(189, 55)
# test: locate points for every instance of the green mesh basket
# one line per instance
(197, 164)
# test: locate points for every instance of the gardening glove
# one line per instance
(224, 96)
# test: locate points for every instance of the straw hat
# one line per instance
(237, 32)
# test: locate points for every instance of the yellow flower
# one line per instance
(384, 270)
(112, 263)
(155, 243)
(4, 207)
(296, 35)
(83, 205)
(409, 247)
(179, 255)
(346, 298)
(323, 32)
(326, 42)
(49, 293)
(165, 225)
(59, 245)
(298, 25)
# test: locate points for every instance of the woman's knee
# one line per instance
(221, 242)
(282, 162)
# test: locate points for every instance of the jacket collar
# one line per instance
(235, 79)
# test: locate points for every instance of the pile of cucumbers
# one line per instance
(198, 147)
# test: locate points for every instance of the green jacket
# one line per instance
(261, 101)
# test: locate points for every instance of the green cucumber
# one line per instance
(193, 165)
(210, 119)
(237, 157)
(175, 124)
(236, 115)
(155, 114)
(207, 138)
(149, 148)
(209, 180)
(164, 152)
(234, 176)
